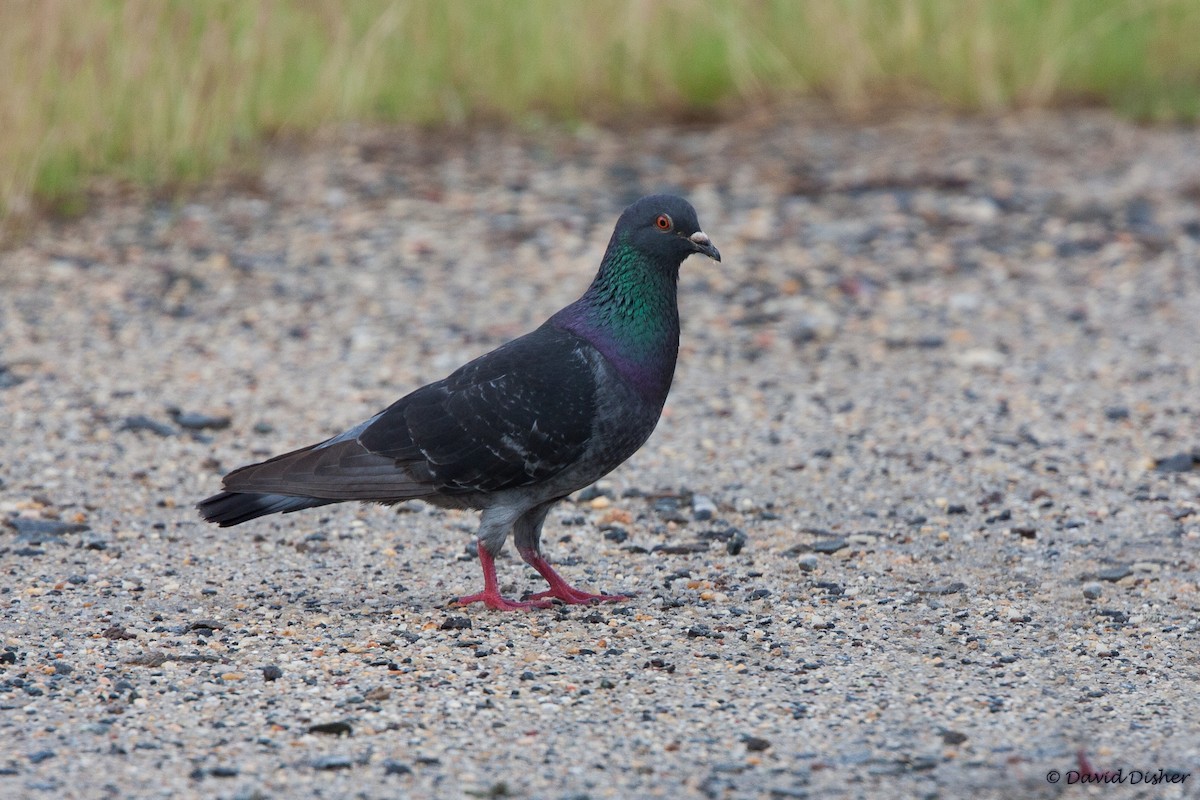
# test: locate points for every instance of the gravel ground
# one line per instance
(920, 520)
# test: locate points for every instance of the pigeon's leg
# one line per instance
(493, 530)
(528, 535)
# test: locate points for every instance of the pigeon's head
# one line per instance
(665, 228)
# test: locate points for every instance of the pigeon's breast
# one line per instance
(624, 419)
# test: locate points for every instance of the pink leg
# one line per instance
(559, 588)
(490, 596)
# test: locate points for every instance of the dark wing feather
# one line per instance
(516, 416)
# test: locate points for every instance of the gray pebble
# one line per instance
(736, 542)
(333, 762)
(1180, 462)
(1113, 574)
(195, 421)
(703, 508)
(39, 531)
(1092, 591)
(140, 422)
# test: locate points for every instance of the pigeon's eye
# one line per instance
(663, 222)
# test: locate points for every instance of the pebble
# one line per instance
(1116, 413)
(703, 508)
(1092, 591)
(38, 531)
(736, 542)
(196, 421)
(1114, 574)
(756, 744)
(338, 728)
(1180, 462)
(140, 422)
(808, 563)
(332, 762)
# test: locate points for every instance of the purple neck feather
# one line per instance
(630, 314)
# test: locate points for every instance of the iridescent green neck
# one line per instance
(630, 314)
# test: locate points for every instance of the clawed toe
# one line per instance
(572, 596)
(496, 602)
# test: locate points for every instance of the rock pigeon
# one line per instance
(518, 429)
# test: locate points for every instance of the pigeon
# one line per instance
(518, 429)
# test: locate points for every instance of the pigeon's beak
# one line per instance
(703, 244)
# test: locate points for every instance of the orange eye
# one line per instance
(663, 222)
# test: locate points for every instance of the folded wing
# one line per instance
(516, 416)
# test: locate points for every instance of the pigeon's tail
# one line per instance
(234, 508)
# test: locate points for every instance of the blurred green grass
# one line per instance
(163, 92)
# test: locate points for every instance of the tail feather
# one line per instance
(234, 508)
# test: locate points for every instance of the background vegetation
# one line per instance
(164, 91)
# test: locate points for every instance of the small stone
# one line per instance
(737, 541)
(272, 673)
(1114, 574)
(598, 489)
(195, 421)
(40, 531)
(8, 378)
(668, 509)
(1093, 591)
(393, 767)
(117, 632)
(615, 533)
(1116, 413)
(338, 728)
(333, 762)
(756, 744)
(953, 737)
(828, 545)
(808, 563)
(1180, 462)
(39, 756)
(456, 623)
(140, 422)
(703, 508)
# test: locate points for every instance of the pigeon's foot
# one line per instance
(559, 588)
(495, 601)
(572, 596)
(490, 596)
